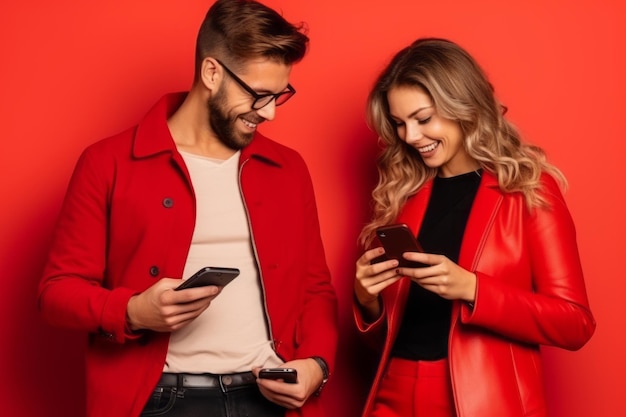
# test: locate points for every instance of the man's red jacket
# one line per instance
(127, 221)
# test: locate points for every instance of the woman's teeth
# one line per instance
(428, 148)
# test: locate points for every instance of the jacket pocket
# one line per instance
(528, 371)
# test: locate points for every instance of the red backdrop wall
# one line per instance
(73, 72)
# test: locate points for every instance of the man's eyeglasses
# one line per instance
(261, 100)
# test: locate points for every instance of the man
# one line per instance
(193, 185)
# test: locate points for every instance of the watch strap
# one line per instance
(325, 372)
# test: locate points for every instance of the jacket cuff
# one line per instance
(114, 323)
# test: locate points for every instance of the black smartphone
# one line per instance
(397, 239)
(288, 375)
(210, 275)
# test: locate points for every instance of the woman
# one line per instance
(461, 335)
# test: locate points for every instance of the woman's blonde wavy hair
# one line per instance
(460, 91)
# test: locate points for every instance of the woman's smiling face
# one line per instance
(438, 140)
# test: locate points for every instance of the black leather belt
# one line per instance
(223, 381)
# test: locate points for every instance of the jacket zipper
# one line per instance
(256, 257)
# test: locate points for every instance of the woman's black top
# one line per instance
(426, 323)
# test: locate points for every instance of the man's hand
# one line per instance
(162, 309)
(292, 396)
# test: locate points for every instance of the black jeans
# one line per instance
(244, 401)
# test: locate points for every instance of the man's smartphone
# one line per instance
(288, 375)
(210, 275)
(397, 239)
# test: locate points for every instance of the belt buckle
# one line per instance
(225, 382)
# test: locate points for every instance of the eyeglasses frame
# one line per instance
(275, 96)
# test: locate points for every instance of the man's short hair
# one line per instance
(236, 31)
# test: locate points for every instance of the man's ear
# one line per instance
(209, 74)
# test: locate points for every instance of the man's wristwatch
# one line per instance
(325, 372)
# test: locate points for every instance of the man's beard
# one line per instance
(224, 126)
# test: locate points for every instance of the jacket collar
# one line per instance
(153, 136)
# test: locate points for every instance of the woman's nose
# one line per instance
(413, 133)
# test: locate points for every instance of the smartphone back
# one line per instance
(397, 239)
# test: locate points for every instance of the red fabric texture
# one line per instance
(415, 389)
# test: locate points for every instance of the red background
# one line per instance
(73, 72)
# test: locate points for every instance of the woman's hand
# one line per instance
(371, 279)
(443, 277)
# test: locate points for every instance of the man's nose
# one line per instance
(268, 112)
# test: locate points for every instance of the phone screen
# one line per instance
(397, 239)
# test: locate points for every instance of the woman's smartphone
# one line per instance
(288, 375)
(210, 275)
(397, 239)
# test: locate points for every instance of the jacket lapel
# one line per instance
(412, 215)
(486, 203)
(413, 212)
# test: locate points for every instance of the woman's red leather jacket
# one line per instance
(530, 292)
